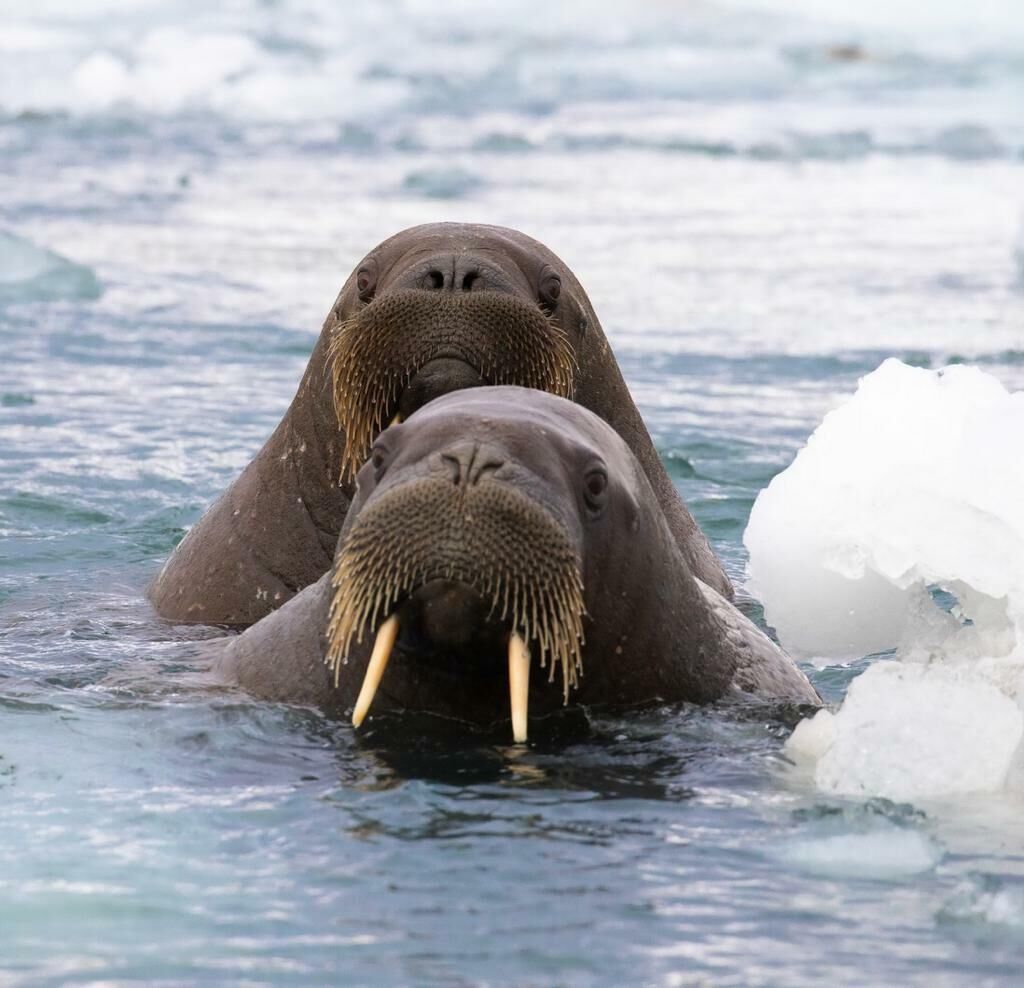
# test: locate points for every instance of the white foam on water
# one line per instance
(171, 70)
(915, 485)
(1018, 251)
(983, 21)
(986, 901)
(296, 61)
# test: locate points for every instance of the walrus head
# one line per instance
(497, 528)
(428, 313)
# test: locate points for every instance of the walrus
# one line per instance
(496, 531)
(433, 309)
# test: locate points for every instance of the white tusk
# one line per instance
(518, 685)
(382, 647)
(397, 420)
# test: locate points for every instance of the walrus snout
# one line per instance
(436, 378)
(462, 564)
(453, 615)
(458, 271)
(410, 345)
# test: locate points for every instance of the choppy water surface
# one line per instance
(763, 203)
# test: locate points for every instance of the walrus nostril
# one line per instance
(469, 279)
(470, 462)
(434, 279)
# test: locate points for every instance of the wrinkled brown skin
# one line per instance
(653, 631)
(274, 530)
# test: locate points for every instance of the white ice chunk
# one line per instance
(813, 737)
(908, 730)
(31, 273)
(887, 853)
(917, 480)
(915, 484)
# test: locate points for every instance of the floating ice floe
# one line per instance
(30, 273)
(901, 525)
(888, 853)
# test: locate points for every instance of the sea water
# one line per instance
(765, 202)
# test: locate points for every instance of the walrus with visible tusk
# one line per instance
(498, 531)
(432, 310)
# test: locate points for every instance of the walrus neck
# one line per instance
(303, 460)
(670, 647)
(314, 421)
(604, 392)
(290, 489)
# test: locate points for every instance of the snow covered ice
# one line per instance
(901, 525)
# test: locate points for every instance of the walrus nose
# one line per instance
(470, 462)
(454, 273)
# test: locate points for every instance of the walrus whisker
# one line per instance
(375, 354)
(528, 570)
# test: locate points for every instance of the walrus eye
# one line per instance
(366, 281)
(378, 460)
(595, 488)
(549, 287)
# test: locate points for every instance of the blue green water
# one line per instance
(759, 220)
